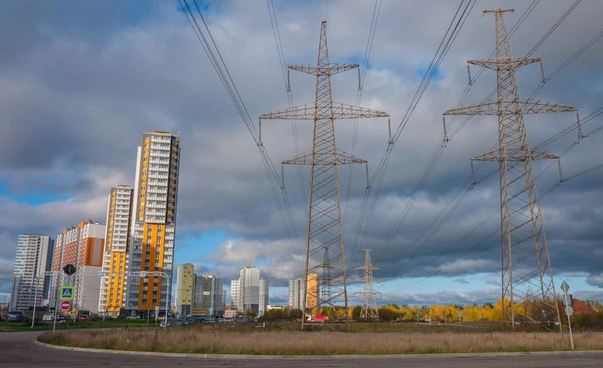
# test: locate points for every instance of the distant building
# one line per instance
(115, 259)
(296, 292)
(154, 220)
(209, 295)
(313, 290)
(83, 247)
(197, 294)
(33, 259)
(235, 290)
(185, 283)
(252, 291)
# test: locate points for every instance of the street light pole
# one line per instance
(169, 288)
(167, 301)
(33, 316)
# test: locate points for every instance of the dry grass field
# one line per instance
(200, 339)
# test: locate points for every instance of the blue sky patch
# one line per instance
(199, 246)
(203, 5)
(437, 74)
(358, 59)
(36, 198)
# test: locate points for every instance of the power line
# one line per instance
(441, 147)
(212, 51)
(283, 63)
(362, 77)
(450, 35)
(454, 245)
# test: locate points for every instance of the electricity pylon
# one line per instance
(528, 292)
(369, 311)
(325, 259)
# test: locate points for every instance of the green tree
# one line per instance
(356, 313)
(295, 313)
(387, 314)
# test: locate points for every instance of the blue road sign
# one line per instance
(66, 293)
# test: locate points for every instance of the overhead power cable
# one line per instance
(362, 77)
(200, 28)
(461, 240)
(450, 35)
(282, 61)
(439, 150)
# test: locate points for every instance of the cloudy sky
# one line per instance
(81, 81)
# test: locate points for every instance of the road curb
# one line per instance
(310, 357)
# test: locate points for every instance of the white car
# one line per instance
(48, 317)
(133, 317)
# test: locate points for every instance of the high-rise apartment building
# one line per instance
(115, 260)
(296, 293)
(235, 291)
(185, 284)
(33, 259)
(252, 291)
(154, 215)
(83, 247)
(209, 295)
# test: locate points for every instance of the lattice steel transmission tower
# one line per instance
(528, 292)
(325, 275)
(369, 311)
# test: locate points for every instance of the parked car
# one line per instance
(48, 317)
(133, 317)
(83, 318)
(15, 316)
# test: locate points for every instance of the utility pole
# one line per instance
(369, 311)
(527, 275)
(325, 259)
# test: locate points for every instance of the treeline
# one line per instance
(487, 312)
(440, 313)
(282, 314)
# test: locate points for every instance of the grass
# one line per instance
(279, 340)
(40, 326)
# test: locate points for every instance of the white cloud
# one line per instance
(595, 280)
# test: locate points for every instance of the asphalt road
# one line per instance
(18, 349)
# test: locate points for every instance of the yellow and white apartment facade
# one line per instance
(154, 220)
(115, 260)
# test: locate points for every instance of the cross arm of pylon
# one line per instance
(343, 158)
(527, 107)
(510, 155)
(503, 63)
(330, 69)
(340, 111)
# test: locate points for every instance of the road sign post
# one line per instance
(567, 300)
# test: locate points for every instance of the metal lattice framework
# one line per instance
(369, 311)
(528, 292)
(325, 259)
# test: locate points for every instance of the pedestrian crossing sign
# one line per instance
(66, 293)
